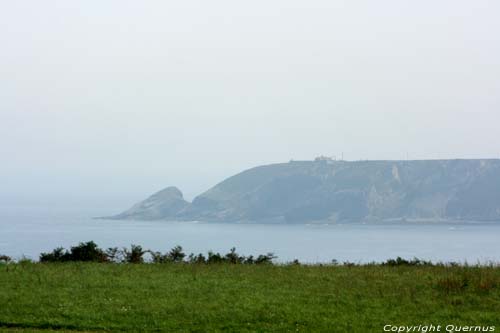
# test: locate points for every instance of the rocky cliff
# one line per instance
(339, 191)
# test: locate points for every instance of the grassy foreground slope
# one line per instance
(243, 298)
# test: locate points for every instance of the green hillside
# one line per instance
(339, 191)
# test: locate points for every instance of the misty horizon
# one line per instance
(108, 102)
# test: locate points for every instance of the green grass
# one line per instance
(243, 298)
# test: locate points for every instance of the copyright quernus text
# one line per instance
(437, 328)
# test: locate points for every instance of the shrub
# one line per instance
(197, 259)
(265, 258)
(88, 251)
(233, 258)
(135, 255)
(114, 254)
(158, 257)
(176, 254)
(5, 259)
(249, 260)
(403, 262)
(214, 258)
(57, 255)
(348, 264)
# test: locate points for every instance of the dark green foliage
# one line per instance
(88, 251)
(5, 259)
(134, 255)
(233, 258)
(158, 257)
(249, 260)
(265, 258)
(403, 262)
(348, 264)
(214, 258)
(196, 259)
(176, 254)
(57, 255)
(114, 254)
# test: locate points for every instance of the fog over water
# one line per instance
(106, 103)
(31, 231)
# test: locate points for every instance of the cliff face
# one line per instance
(338, 191)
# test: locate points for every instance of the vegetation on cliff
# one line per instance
(339, 191)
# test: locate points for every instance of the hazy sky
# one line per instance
(108, 101)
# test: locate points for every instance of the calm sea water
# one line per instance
(28, 231)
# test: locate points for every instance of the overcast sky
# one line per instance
(109, 101)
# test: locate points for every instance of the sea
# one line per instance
(27, 231)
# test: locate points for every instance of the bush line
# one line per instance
(90, 252)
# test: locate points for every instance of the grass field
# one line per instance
(95, 297)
